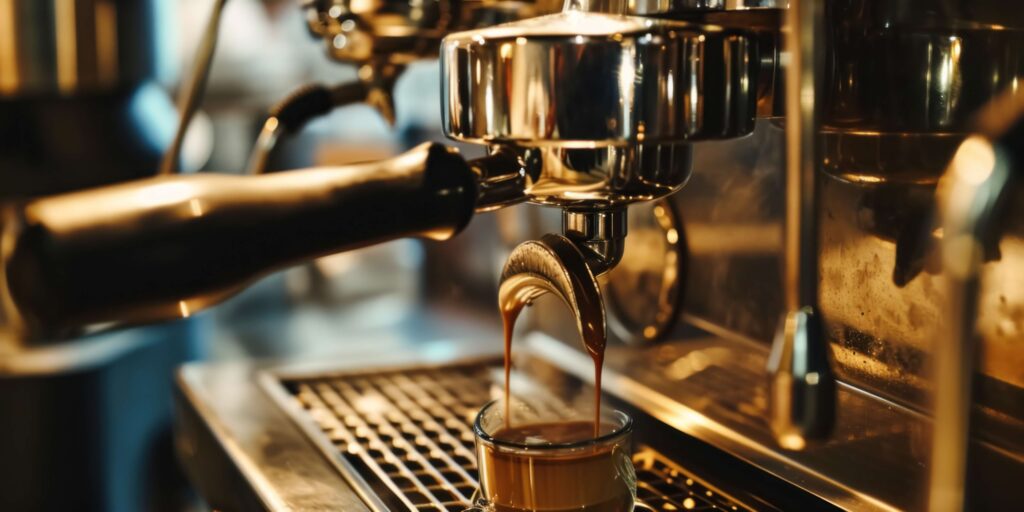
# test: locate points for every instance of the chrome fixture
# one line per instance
(554, 264)
(901, 100)
(602, 107)
(155, 230)
(314, 100)
(403, 31)
(972, 196)
(382, 38)
(644, 294)
(801, 394)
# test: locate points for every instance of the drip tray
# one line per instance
(403, 437)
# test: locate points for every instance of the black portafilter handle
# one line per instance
(166, 247)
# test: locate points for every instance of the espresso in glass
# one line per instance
(554, 464)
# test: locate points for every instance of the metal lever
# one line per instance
(801, 385)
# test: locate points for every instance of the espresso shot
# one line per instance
(552, 462)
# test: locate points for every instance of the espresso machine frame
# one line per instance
(850, 172)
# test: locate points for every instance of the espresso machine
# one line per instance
(794, 222)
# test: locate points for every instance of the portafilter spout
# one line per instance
(555, 265)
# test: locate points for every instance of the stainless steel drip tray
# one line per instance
(392, 432)
(404, 435)
(244, 451)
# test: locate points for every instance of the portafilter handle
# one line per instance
(166, 247)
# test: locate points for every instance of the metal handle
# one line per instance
(166, 247)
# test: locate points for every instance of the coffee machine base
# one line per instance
(293, 435)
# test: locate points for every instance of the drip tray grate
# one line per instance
(411, 430)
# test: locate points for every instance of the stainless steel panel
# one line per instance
(77, 46)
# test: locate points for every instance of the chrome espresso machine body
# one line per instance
(825, 316)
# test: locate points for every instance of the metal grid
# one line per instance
(662, 485)
(412, 429)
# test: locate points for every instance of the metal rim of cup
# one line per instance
(481, 434)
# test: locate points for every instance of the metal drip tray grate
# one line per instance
(408, 432)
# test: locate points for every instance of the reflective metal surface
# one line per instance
(584, 80)
(591, 112)
(802, 387)
(599, 234)
(704, 390)
(77, 46)
(801, 391)
(554, 265)
(644, 293)
(872, 158)
(894, 70)
(902, 86)
(401, 31)
(606, 177)
(421, 456)
(383, 37)
(714, 389)
(269, 446)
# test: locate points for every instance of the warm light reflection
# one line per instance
(975, 161)
(9, 74)
(371, 405)
(163, 194)
(792, 442)
(627, 76)
(106, 41)
(196, 207)
(67, 44)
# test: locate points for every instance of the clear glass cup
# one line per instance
(550, 461)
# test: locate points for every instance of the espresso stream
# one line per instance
(593, 342)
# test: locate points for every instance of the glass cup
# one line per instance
(550, 461)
